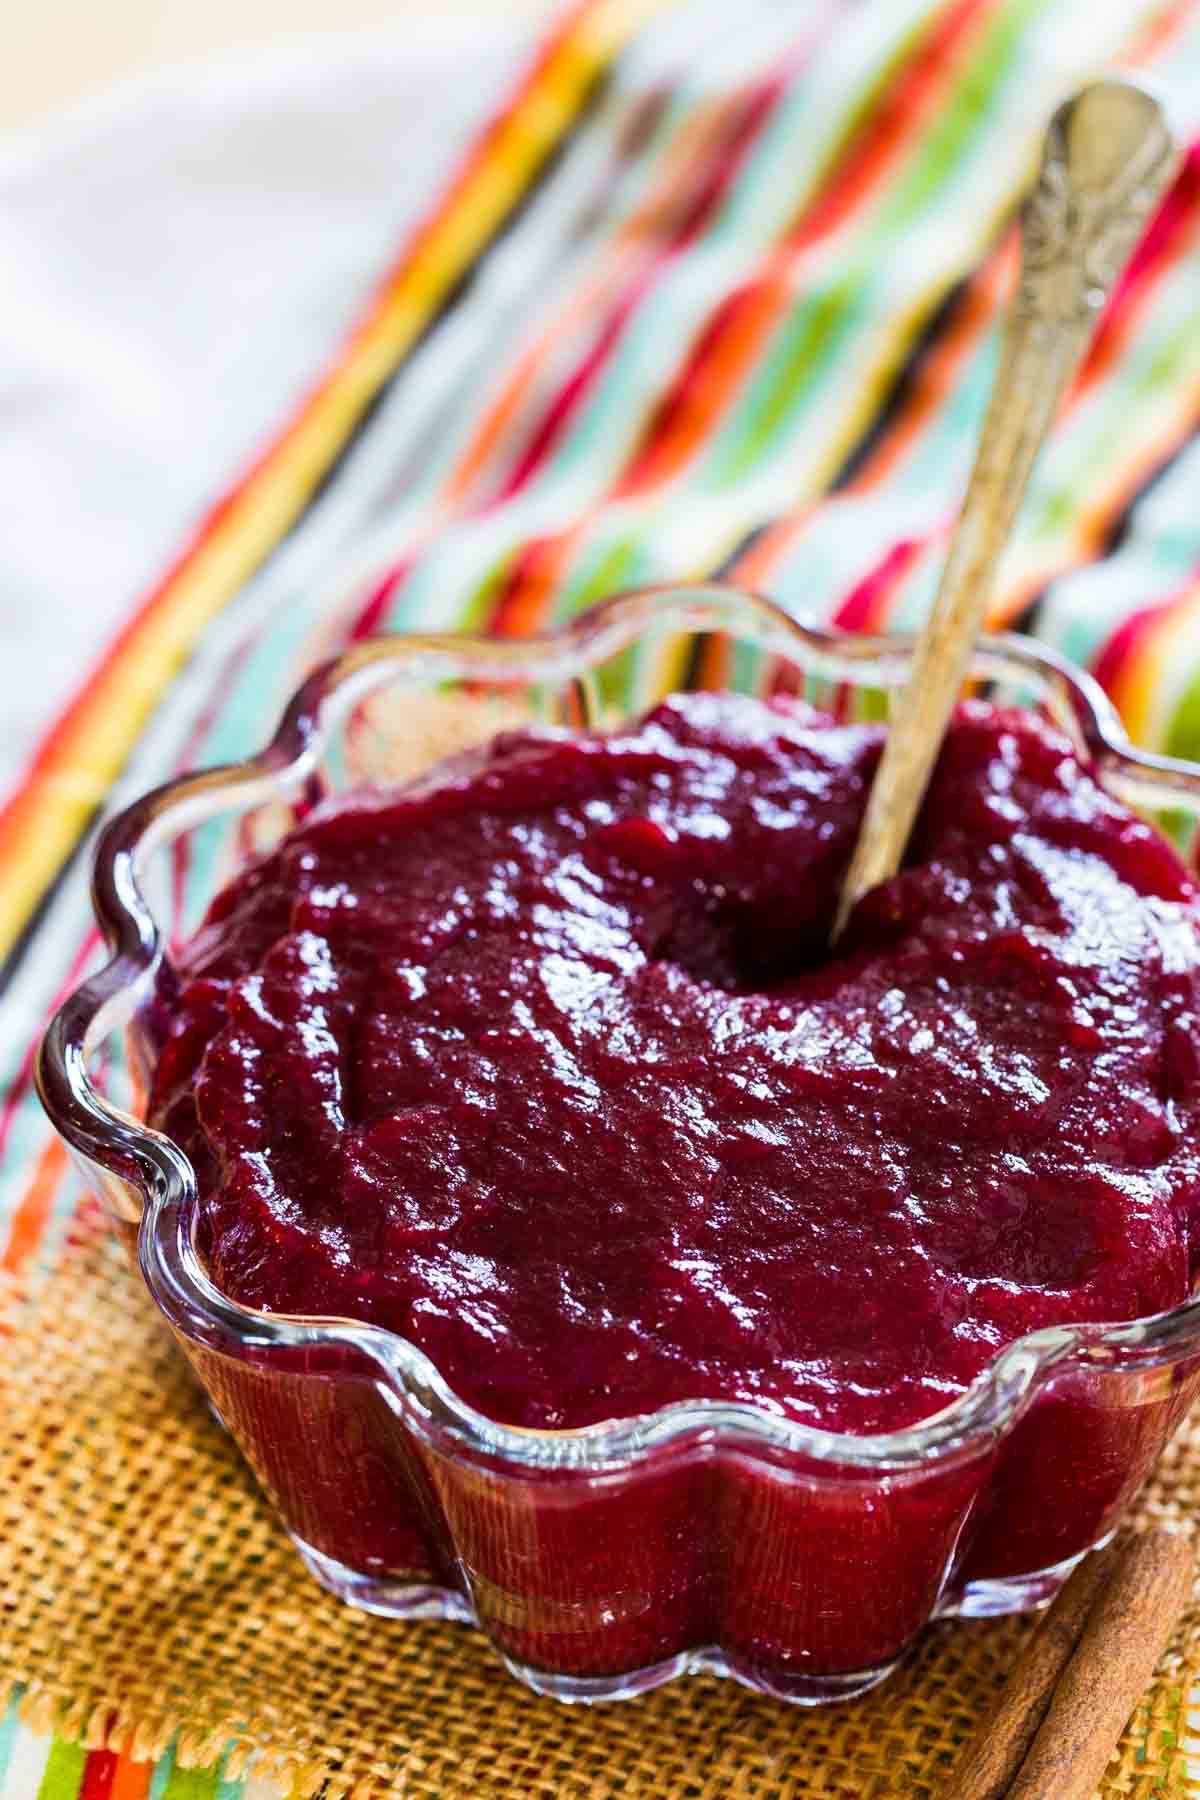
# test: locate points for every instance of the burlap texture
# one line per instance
(146, 1589)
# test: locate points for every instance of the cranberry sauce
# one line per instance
(544, 1063)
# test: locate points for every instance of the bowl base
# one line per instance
(795, 1690)
(395, 1597)
(391, 1596)
(1013, 1593)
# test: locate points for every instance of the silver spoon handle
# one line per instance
(1107, 156)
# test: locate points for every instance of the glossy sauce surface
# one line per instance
(543, 1063)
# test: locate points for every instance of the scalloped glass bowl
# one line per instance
(605, 1560)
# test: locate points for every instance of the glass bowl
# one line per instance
(706, 1535)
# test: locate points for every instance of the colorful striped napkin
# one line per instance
(714, 290)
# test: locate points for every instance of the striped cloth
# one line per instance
(714, 290)
(36, 1766)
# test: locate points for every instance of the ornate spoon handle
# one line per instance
(1107, 155)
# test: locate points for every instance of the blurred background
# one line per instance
(56, 51)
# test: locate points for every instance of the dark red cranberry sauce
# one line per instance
(544, 1063)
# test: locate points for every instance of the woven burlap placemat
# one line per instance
(146, 1589)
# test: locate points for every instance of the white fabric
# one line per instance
(180, 258)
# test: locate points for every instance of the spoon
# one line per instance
(1105, 161)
